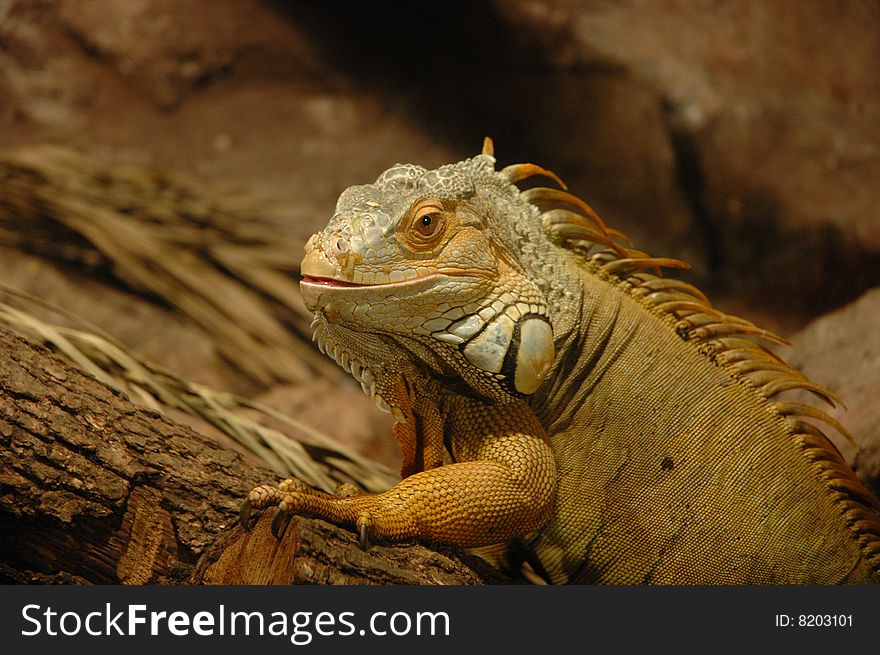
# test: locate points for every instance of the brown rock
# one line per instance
(772, 116)
(239, 96)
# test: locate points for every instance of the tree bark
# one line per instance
(95, 489)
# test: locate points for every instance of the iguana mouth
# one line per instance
(330, 282)
(317, 291)
(336, 283)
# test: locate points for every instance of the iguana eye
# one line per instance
(426, 222)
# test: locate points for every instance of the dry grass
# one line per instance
(112, 364)
(232, 273)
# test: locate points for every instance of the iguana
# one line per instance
(560, 404)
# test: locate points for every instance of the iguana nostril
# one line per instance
(339, 247)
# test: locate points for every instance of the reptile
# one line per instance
(562, 407)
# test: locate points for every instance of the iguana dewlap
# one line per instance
(561, 403)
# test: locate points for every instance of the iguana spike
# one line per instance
(753, 364)
(657, 298)
(810, 437)
(789, 408)
(873, 550)
(546, 194)
(660, 299)
(488, 147)
(704, 333)
(787, 384)
(635, 254)
(628, 264)
(516, 172)
(763, 377)
(749, 351)
(692, 306)
(838, 480)
(674, 286)
(567, 224)
(867, 525)
(725, 345)
(617, 234)
(579, 235)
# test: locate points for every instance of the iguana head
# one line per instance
(429, 266)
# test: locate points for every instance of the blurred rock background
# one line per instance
(742, 136)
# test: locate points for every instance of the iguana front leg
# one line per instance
(501, 486)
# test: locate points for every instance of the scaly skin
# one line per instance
(558, 403)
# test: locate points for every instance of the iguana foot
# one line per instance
(258, 499)
(284, 497)
(265, 496)
(298, 502)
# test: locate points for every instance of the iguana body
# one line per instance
(560, 403)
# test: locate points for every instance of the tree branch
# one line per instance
(95, 489)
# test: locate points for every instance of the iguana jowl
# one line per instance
(560, 401)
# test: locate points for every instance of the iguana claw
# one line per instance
(280, 520)
(258, 499)
(245, 516)
(363, 540)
